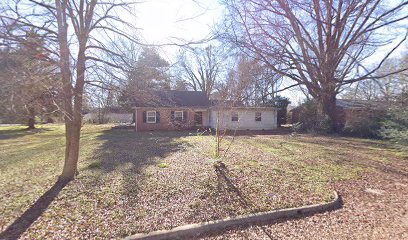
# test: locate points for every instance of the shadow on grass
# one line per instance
(126, 150)
(21, 224)
(20, 132)
(250, 133)
(125, 154)
(224, 183)
(223, 179)
(122, 151)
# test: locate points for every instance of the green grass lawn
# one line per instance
(139, 182)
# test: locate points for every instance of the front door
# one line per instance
(198, 118)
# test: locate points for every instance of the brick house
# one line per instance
(177, 110)
(346, 110)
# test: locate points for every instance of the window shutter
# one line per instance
(184, 116)
(172, 116)
(157, 116)
(144, 116)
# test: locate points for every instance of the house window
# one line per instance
(234, 117)
(151, 116)
(178, 116)
(198, 118)
(258, 116)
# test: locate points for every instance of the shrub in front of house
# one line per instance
(310, 122)
(395, 126)
(365, 122)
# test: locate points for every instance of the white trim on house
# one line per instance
(147, 116)
(177, 118)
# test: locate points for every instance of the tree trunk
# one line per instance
(73, 125)
(31, 123)
(72, 132)
(327, 109)
(31, 118)
(72, 122)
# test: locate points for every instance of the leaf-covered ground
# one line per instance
(139, 182)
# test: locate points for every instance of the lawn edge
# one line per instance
(194, 230)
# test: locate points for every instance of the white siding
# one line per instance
(246, 119)
(206, 118)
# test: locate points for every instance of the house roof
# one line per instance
(352, 103)
(172, 98)
(347, 104)
(186, 99)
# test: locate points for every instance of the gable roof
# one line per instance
(172, 98)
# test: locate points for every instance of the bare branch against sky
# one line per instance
(320, 44)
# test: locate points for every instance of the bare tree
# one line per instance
(77, 31)
(201, 67)
(319, 44)
(385, 89)
(251, 82)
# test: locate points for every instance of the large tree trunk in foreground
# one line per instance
(72, 127)
(73, 124)
(327, 110)
(72, 132)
